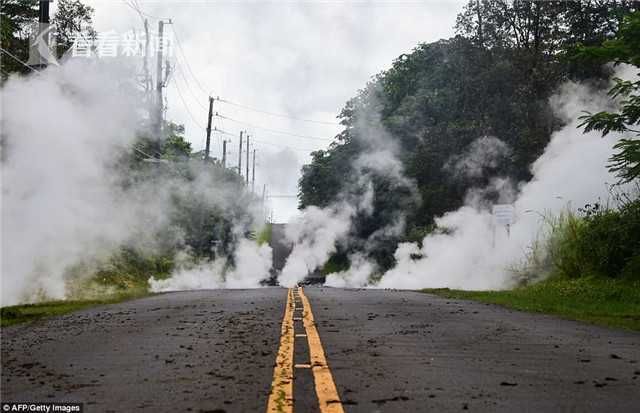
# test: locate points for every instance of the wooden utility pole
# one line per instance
(207, 147)
(159, 82)
(247, 175)
(264, 198)
(148, 80)
(240, 156)
(253, 173)
(224, 154)
(39, 53)
(158, 116)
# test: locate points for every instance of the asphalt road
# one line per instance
(387, 351)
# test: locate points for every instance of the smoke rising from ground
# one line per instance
(480, 254)
(64, 132)
(317, 232)
(472, 251)
(485, 152)
(253, 263)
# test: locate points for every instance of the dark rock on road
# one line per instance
(185, 351)
(393, 351)
(388, 351)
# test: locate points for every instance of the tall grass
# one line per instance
(599, 240)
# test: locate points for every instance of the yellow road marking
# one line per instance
(325, 387)
(281, 397)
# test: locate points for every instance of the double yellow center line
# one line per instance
(281, 397)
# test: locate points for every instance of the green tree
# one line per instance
(625, 48)
(72, 18)
(19, 18)
(16, 17)
(175, 147)
(494, 78)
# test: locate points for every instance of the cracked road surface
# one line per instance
(385, 351)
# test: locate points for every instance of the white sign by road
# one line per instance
(504, 214)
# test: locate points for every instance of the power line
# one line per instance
(175, 35)
(223, 132)
(18, 60)
(273, 130)
(187, 107)
(138, 9)
(279, 115)
(208, 93)
(186, 81)
(144, 153)
(284, 146)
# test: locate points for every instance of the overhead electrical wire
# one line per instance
(186, 81)
(208, 93)
(179, 67)
(283, 146)
(223, 132)
(17, 59)
(279, 115)
(276, 131)
(175, 35)
(186, 107)
(138, 9)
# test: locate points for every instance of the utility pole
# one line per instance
(159, 81)
(224, 154)
(264, 196)
(247, 176)
(147, 75)
(39, 50)
(253, 173)
(148, 81)
(240, 157)
(208, 145)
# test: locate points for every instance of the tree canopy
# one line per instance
(625, 48)
(493, 79)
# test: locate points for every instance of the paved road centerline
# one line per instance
(281, 396)
(326, 390)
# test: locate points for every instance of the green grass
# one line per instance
(264, 236)
(597, 300)
(24, 313)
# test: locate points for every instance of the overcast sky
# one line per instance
(299, 59)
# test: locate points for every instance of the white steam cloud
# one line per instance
(477, 253)
(473, 251)
(62, 199)
(253, 264)
(318, 231)
(485, 152)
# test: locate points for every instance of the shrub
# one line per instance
(602, 241)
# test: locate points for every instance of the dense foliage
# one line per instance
(19, 21)
(601, 241)
(206, 208)
(625, 48)
(493, 79)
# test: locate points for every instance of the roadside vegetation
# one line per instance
(493, 79)
(197, 223)
(592, 259)
(603, 301)
(588, 269)
(25, 313)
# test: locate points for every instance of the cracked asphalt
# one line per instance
(388, 351)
